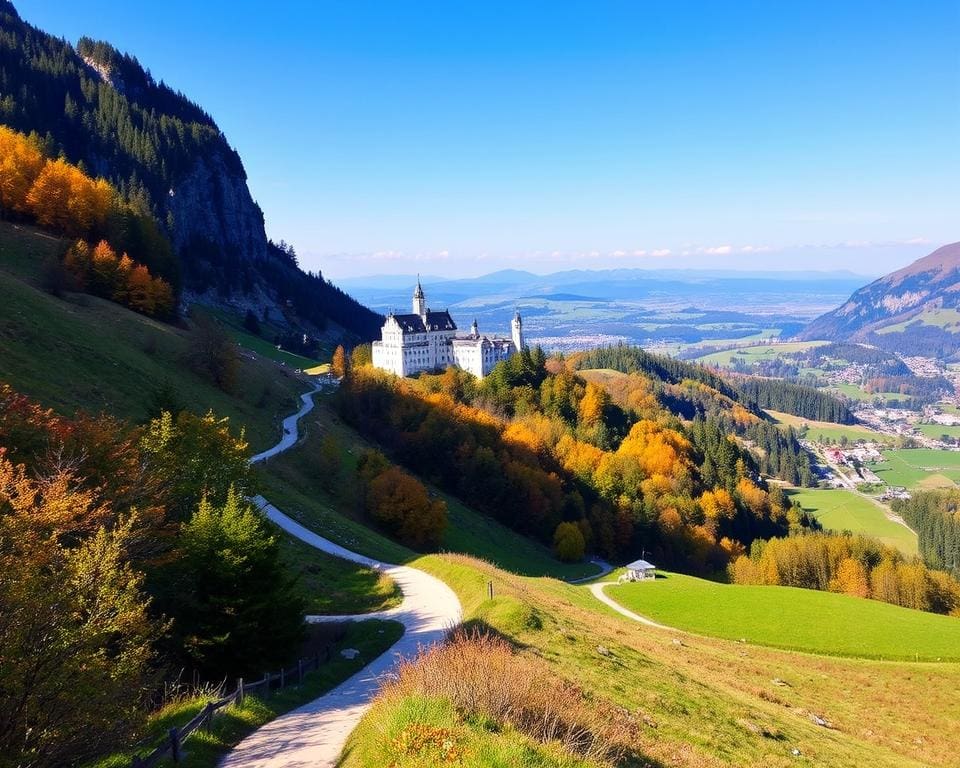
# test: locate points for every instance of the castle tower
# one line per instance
(419, 300)
(516, 331)
(474, 330)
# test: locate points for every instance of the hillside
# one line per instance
(912, 310)
(101, 109)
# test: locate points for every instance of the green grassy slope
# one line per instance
(703, 701)
(81, 352)
(841, 510)
(798, 619)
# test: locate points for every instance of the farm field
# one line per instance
(841, 510)
(919, 468)
(854, 392)
(936, 431)
(753, 355)
(796, 619)
(819, 431)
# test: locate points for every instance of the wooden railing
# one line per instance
(172, 745)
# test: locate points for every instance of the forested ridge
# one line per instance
(935, 516)
(102, 111)
(554, 456)
(753, 393)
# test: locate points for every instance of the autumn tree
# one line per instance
(339, 364)
(20, 164)
(402, 504)
(75, 631)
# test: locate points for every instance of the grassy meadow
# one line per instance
(919, 468)
(702, 701)
(795, 619)
(840, 510)
(755, 354)
(84, 352)
(821, 431)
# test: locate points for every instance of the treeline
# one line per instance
(101, 272)
(540, 449)
(935, 516)
(754, 394)
(141, 135)
(127, 555)
(840, 353)
(146, 139)
(919, 339)
(795, 399)
(63, 199)
(852, 565)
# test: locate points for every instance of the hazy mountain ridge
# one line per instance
(907, 297)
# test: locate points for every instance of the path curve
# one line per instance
(314, 735)
(597, 590)
(604, 567)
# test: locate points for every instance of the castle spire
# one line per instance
(419, 300)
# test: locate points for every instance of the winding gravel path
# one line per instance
(314, 735)
(597, 590)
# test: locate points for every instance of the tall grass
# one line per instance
(485, 678)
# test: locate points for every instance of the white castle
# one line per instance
(428, 341)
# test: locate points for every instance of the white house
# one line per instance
(639, 570)
(427, 341)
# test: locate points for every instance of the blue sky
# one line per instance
(460, 138)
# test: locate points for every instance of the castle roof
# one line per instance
(436, 321)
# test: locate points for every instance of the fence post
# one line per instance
(266, 680)
(282, 681)
(239, 691)
(208, 719)
(175, 744)
(299, 671)
(490, 589)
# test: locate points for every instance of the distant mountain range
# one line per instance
(911, 311)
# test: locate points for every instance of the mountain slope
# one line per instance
(908, 310)
(101, 109)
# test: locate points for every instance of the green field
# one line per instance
(919, 468)
(936, 431)
(841, 510)
(796, 619)
(854, 392)
(753, 355)
(948, 319)
(83, 352)
(819, 431)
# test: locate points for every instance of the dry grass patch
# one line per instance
(485, 678)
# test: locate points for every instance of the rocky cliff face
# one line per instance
(212, 203)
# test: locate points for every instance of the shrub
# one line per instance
(484, 678)
(568, 542)
(401, 503)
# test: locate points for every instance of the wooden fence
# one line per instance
(172, 745)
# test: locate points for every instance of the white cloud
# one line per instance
(661, 252)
